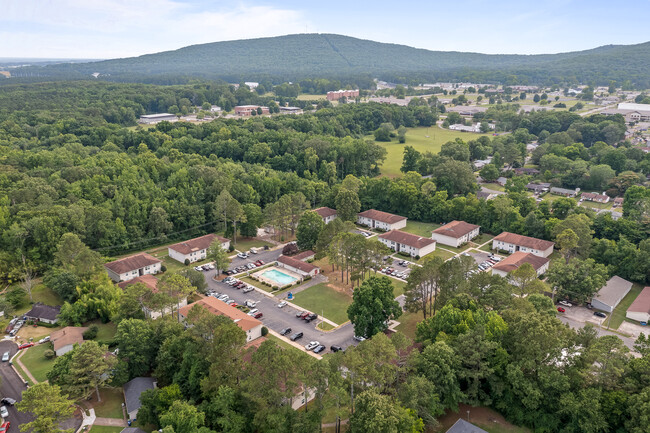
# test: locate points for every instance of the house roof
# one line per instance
(642, 302)
(325, 212)
(407, 239)
(297, 263)
(538, 185)
(593, 196)
(462, 426)
(196, 244)
(456, 229)
(42, 311)
(613, 291)
(384, 217)
(148, 280)
(563, 190)
(131, 263)
(132, 430)
(132, 390)
(68, 335)
(304, 255)
(219, 308)
(525, 241)
(517, 259)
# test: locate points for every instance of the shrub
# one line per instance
(264, 331)
(47, 325)
(231, 248)
(417, 257)
(186, 262)
(307, 278)
(49, 354)
(163, 268)
(91, 332)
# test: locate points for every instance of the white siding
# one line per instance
(601, 306)
(381, 225)
(638, 316)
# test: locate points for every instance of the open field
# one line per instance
(398, 287)
(408, 322)
(34, 360)
(596, 205)
(420, 228)
(494, 186)
(245, 244)
(105, 429)
(106, 330)
(618, 315)
(423, 139)
(111, 404)
(324, 300)
(306, 97)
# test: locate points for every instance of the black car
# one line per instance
(319, 349)
(599, 314)
(285, 331)
(8, 401)
(296, 336)
(336, 348)
(311, 317)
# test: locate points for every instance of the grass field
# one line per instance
(439, 252)
(280, 342)
(245, 244)
(420, 228)
(398, 287)
(306, 97)
(618, 315)
(482, 238)
(105, 429)
(40, 293)
(106, 330)
(494, 186)
(324, 300)
(423, 139)
(408, 322)
(111, 404)
(34, 360)
(595, 205)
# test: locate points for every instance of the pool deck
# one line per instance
(272, 282)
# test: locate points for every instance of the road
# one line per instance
(12, 385)
(576, 324)
(279, 318)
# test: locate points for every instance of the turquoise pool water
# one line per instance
(279, 277)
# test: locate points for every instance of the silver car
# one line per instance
(5, 357)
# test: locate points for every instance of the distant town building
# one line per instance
(538, 188)
(565, 192)
(592, 196)
(290, 110)
(149, 119)
(252, 84)
(247, 110)
(338, 94)
(631, 111)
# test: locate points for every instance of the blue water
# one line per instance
(279, 277)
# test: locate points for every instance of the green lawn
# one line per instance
(443, 254)
(254, 283)
(306, 97)
(597, 206)
(324, 300)
(105, 429)
(40, 293)
(111, 404)
(423, 139)
(408, 322)
(106, 330)
(398, 287)
(482, 238)
(245, 244)
(494, 186)
(22, 373)
(420, 228)
(618, 315)
(34, 360)
(324, 326)
(280, 342)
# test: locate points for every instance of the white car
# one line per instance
(248, 289)
(282, 304)
(565, 303)
(250, 304)
(253, 312)
(4, 412)
(198, 268)
(312, 345)
(242, 255)
(5, 357)
(223, 298)
(44, 340)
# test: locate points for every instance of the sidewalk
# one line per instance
(22, 366)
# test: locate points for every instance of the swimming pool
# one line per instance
(279, 277)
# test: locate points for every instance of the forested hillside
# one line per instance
(294, 57)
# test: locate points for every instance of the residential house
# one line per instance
(408, 243)
(43, 313)
(195, 249)
(133, 266)
(609, 296)
(152, 283)
(485, 195)
(592, 196)
(456, 233)
(615, 215)
(565, 192)
(525, 171)
(512, 243)
(640, 308)
(515, 260)
(298, 266)
(64, 339)
(618, 201)
(132, 391)
(247, 110)
(538, 188)
(327, 214)
(376, 219)
(250, 325)
(462, 426)
(502, 181)
(149, 119)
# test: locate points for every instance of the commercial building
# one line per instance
(195, 249)
(407, 243)
(338, 94)
(631, 111)
(511, 243)
(609, 296)
(538, 188)
(640, 308)
(376, 219)
(133, 266)
(327, 214)
(515, 260)
(150, 119)
(251, 326)
(565, 192)
(247, 110)
(456, 233)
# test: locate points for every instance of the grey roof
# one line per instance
(133, 389)
(612, 292)
(133, 430)
(42, 311)
(462, 426)
(563, 190)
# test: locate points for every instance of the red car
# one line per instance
(4, 428)
(561, 309)
(258, 315)
(25, 346)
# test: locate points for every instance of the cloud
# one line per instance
(119, 28)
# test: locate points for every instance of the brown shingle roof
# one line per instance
(67, 335)
(593, 196)
(407, 239)
(219, 308)
(512, 238)
(384, 217)
(325, 212)
(517, 259)
(131, 263)
(642, 302)
(147, 279)
(196, 244)
(304, 255)
(455, 229)
(298, 264)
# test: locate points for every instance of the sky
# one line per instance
(102, 29)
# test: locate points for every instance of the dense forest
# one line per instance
(296, 57)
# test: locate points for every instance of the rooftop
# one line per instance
(642, 302)
(515, 260)
(456, 229)
(196, 244)
(219, 308)
(42, 311)
(148, 280)
(384, 217)
(67, 335)
(131, 263)
(325, 212)
(462, 426)
(524, 241)
(304, 255)
(611, 292)
(297, 263)
(132, 390)
(407, 239)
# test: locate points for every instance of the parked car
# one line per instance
(250, 303)
(300, 313)
(25, 346)
(565, 303)
(8, 401)
(296, 336)
(198, 268)
(304, 314)
(242, 255)
(359, 338)
(258, 315)
(319, 348)
(5, 357)
(311, 317)
(223, 298)
(253, 251)
(4, 412)
(312, 345)
(248, 289)
(285, 331)
(44, 340)
(282, 304)
(336, 348)
(230, 301)
(4, 428)
(253, 312)
(561, 309)
(600, 314)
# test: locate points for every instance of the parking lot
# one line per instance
(278, 319)
(267, 256)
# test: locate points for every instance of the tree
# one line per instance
(74, 256)
(159, 224)
(176, 288)
(89, 370)
(385, 132)
(16, 296)
(217, 254)
(347, 205)
(410, 160)
(183, 417)
(489, 173)
(568, 243)
(578, 279)
(455, 177)
(48, 406)
(253, 220)
(63, 282)
(580, 224)
(524, 278)
(196, 279)
(135, 341)
(439, 364)
(373, 305)
(423, 286)
(380, 413)
(155, 402)
(309, 227)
